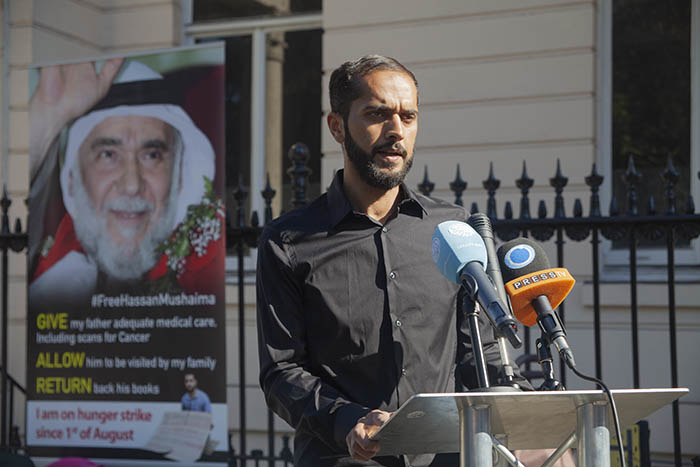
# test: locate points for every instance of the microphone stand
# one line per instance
(482, 224)
(544, 358)
(478, 349)
(482, 375)
(483, 380)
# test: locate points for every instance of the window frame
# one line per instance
(258, 28)
(649, 259)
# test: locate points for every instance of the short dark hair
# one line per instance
(343, 86)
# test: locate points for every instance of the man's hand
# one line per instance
(360, 446)
(65, 92)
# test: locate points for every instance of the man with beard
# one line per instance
(194, 398)
(353, 316)
(121, 182)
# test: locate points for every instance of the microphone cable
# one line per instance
(535, 290)
(616, 419)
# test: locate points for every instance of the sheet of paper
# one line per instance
(181, 436)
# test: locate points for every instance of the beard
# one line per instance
(369, 171)
(126, 261)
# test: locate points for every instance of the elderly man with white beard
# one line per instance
(122, 183)
(127, 207)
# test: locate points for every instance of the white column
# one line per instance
(257, 122)
(5, 83)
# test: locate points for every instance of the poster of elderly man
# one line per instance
(126, 251)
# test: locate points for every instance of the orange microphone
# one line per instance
(536, 289)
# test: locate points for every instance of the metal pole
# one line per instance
(475, 444)
(596, 306)
(562, 318)
(500, 443)
(241, 194)
(670, 245)
(241, 349)
(593, 433)
(477, 348)
(271, 436)
(3, 405)
(568, 443)
(633, 305)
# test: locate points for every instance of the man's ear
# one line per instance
(337, 127)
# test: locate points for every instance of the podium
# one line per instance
(468, 422)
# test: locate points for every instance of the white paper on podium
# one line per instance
(181, 436)
(429, 423)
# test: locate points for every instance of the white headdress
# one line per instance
(198, 159)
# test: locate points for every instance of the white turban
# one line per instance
(198, 157)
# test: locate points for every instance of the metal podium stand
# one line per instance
(465, 422)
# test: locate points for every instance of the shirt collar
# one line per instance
(340, 207)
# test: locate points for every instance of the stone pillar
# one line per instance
(273, 115)
(274, 100)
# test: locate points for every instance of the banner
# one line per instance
(126, 324)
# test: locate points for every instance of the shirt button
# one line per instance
(385, 230)
(398, 323)
(392, 275)
(403, 371)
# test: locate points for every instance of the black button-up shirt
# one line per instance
(353, 315)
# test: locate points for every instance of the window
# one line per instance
(648, 87)
(273, 89)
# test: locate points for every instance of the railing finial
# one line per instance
(558, 182)
(299, 172)
(458, 186)
(524, 183)
(671, 175)
(491, 184)
(268, 194)
(5, 203)
(594, 180)
(240, 195)
(426, 186)
(631, 178)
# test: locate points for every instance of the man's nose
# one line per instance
(394, 128)
(131, 182)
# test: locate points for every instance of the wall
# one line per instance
(505, 82)
(501, 81)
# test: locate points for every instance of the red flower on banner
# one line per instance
(195, 252)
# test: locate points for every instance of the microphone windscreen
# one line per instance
(454, 244)
(527, 274)
(521, 256)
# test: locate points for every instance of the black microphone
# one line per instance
(535, 289)
(460, 255)
(482, 224)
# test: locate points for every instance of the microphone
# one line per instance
(535, 289)
(482, 224)
(460, 255)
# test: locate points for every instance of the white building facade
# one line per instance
(500, 81)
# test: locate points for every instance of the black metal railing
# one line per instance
(14, 440)
(672, 226)
(675, 225)
(17, 242)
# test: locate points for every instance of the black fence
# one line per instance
(9, 241)
(676, 223)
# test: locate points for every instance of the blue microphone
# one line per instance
(460, 255)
